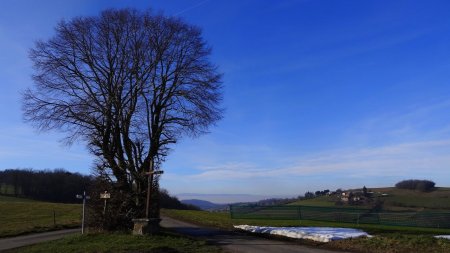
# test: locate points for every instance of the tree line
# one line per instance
(62, 186)
(415, 184)
(56, 185)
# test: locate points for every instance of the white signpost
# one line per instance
(84, 197)
(105, 196)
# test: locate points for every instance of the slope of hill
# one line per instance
(204, 205)
(20, 216)
(393, 199)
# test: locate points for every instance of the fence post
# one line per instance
(299, 211)
(357, 219)
(54, 218)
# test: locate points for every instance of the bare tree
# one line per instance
(129, 84)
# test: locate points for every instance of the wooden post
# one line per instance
(149, 189)
(151, 173)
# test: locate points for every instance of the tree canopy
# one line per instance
(129, 84)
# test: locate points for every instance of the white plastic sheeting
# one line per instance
(320, 234)
(443, 236)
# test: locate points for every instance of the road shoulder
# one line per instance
(25, 240)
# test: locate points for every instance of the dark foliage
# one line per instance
(414, 184)
(309, 195)
(365, 193)
(117, 213)
(172, 202)
(322, 193)
(53, 186)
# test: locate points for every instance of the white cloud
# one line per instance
(399, 159)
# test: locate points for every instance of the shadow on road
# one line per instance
(236, 242)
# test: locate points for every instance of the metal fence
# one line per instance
(347, 215)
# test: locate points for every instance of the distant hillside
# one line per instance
(226, 198)
(204, 205)
(393, 199)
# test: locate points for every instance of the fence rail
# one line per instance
(347, 215)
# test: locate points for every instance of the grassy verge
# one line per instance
(22, 216)
(387, 239)
(224, 221)
(117, 242)
(393, 243)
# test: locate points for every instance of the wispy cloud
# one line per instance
(412, 141)
(399, 159)
(417, 122)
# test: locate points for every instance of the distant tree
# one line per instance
(350, 198)
(128, 83)
(2, 181)
(365, 191)
(414, 184)
(309, 195)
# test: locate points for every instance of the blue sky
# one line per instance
(318, 94)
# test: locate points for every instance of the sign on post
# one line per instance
(84, 197)
(105, 195)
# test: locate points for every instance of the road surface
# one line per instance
(24, 240)
(237, 242)
(230, 241)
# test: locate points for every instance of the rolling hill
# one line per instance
(393, 199)
(20, 216)
(204, 205)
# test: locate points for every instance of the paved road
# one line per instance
(24, 240)
(238, 242)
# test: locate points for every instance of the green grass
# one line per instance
(393, 243)
(119, 242)
(21, 216)
(224, 221)
(322, 201)
(387, 239)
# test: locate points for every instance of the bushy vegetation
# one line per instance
(115, 216)
(172, 202)
(414, 184)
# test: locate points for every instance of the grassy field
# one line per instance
(20, 216)
(323, 201)
(387, 239)
(117, 242)
(395, 200)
